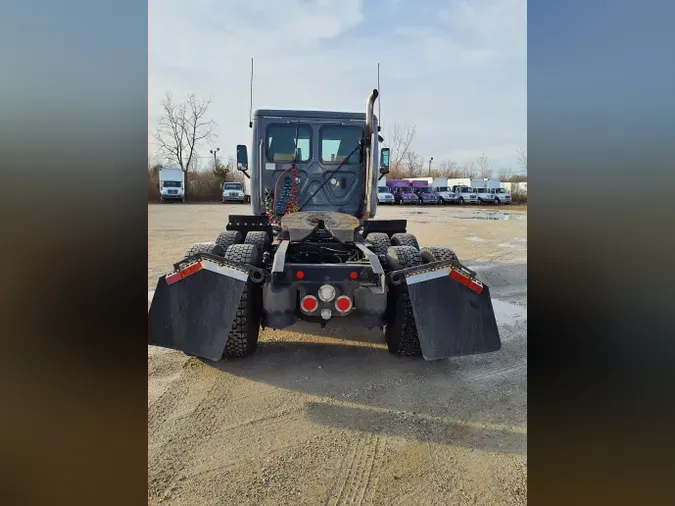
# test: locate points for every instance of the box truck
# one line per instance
(172, 184)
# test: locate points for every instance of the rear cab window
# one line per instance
(337, 142)
(281, 142)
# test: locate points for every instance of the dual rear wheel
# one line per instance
(401, 252)
(233, 246)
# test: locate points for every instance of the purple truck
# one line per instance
(403, 192)
(424, 192)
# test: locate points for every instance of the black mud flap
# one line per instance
(193, 308)
(453, 310)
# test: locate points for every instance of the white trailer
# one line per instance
(172, 184)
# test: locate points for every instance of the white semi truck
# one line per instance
(172, 184)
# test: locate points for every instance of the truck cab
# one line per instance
(426, 195)
(500, 196)
(405, 195)
(233, 192)
(172, 184)
(484, 195)
(446, 195)
(465, 194)
(384, 195)
(313, 161)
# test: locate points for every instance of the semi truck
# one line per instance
(312, 250)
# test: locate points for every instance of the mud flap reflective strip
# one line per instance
(183, 273)
(195, 315)
(206, 265)
(473, 284)
(452, 318)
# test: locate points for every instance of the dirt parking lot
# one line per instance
(329, 416)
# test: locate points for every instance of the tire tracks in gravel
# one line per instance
(187, 434)
(357, 478)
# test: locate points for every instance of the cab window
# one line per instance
(337, 142)
(281, 142)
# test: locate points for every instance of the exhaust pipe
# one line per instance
(370, 103)
(370, 210)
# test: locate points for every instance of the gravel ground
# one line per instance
(329, 416)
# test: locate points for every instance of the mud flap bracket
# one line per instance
(452, 309)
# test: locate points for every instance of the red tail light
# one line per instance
(309, 303)
(343, 304)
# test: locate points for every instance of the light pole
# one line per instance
(215, 161)
(430, 160)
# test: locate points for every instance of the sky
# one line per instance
(455, 69)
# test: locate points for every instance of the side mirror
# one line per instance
(384, 161)
(242, 158)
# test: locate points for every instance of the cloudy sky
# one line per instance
(456, 69)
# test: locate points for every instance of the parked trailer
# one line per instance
(313, 252)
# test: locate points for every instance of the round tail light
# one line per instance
(309, 303)
(343, 304)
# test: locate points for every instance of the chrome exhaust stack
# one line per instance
(368, 144)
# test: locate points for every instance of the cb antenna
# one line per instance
(379, 102)
(250, 110)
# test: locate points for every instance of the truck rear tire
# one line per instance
(243, 338)
(205, 247)
(228, 238)
(400, 331)
(404, 240)
(381, 243)
(259, 239)
(437, 254)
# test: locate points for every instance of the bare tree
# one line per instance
(413, 164)
(522, 159)
(504, 174)
(484, 169)
(182, 128)
(469, 170)
(399, 140)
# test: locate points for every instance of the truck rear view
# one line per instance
(312, 251)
